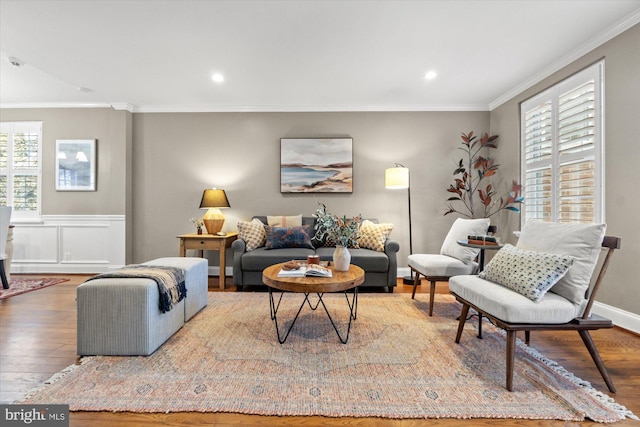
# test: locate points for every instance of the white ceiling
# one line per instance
(293, 55)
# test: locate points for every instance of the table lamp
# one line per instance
(213, 200)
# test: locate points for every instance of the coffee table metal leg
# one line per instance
(317, 303)
(273, 308)
(274, 313)
(353, 306)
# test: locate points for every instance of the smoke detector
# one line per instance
(15, 61)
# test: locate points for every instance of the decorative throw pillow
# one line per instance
(288, 237)
(285, 221)
(252, 233)
(529, 273)
(581, 241)
(460, 230)
(373, 236)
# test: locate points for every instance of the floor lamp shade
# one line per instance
(396, 178)
(213, 200)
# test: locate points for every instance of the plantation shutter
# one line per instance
(562, 168)
(576, 147)
(538, 161)
(21, 168)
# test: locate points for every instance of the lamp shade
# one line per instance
(214, 198)
(396, 177)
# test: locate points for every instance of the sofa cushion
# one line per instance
(367, 259)
(284, 221)
(509, 305)
(252, 233)
(261, 258)
(460, 230)
(288, 237)
(431, 265)
(581, 241)
(530, 273)
(373, 236)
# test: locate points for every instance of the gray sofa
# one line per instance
(380, 267)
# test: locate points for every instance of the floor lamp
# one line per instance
(397, 178)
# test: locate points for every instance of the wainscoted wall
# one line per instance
(69, 244)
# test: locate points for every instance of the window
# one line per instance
(21, 168)
(562, 150)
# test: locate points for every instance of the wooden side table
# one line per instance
(208, 242)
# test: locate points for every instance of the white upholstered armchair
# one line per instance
(543, 283)
(452, 260)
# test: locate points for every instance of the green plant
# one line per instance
(335, 230)
(467, 182)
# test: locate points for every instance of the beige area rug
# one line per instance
(19, 286)
(398, 363)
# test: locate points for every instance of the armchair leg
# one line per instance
(432, 292)
(511, 356)
(463, 319)
(3, 275)
(595, 355)
(416, 282)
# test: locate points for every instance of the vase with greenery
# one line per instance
(474, 197)
(341, 232)
(199, 223)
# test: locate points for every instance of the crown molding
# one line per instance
(592, 44)
(303, 108)
(122, 106)
(55, 105)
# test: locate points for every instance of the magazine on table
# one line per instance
(307, 270)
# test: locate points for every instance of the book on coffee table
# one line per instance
(307, 270)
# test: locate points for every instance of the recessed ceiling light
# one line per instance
(15, 61)
(217, 77)
(430, 75)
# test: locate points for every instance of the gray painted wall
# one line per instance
(112, 130)
(622, 156)
(177, 156)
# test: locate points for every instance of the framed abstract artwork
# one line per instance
(76, 165)
(316, 165)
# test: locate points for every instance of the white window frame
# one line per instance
(16, 127)
(553, 94)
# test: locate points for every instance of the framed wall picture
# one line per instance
(316, 165)
(76, 165)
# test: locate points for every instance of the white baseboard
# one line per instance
(621, 318)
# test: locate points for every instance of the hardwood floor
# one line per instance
(38, 339)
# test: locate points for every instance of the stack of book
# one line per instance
(482, 240)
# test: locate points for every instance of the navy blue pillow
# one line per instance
(288, 237)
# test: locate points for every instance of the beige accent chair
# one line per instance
(452, 260)
(535, 302)
(5, 218)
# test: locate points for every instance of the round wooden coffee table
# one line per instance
(341, 281)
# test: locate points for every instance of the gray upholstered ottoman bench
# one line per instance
(121, 316)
